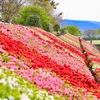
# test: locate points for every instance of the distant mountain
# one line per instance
(82, 25)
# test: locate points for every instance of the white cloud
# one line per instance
(80, 9)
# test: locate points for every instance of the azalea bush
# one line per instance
(44, 43)
(12, 87)
(91, 53)
(40, 62)
(43, 79)
(93, 56)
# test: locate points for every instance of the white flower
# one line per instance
(1, 71)
(40, 94)
(12, 81)
(4, 67)
(12, 69)
(24, 97)
(5, 99)
(29, 90)
(16, 84)
(30, 94)
(10, 85)
(9, 79)
(51, 97)
(3, 80)
(4, 75)
(19, 88)
(11, 98)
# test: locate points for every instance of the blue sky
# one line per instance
(80, 9)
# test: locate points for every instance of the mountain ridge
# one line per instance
(81, 24)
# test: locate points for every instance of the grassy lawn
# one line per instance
(95, 42)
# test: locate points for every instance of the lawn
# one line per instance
(95, 42)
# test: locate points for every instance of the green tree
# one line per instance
(98, 31)
(9, 9)
(90, 34)
(56, 27)
(33, 20)
(48, 27)
(27, 11)
(49, 5)
(74, 30)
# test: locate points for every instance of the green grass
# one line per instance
(95, 42)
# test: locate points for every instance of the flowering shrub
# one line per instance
(41, 42)
(93, 56)
(43, 79)
(53, 69)
(91, 53)
(72, 40)
(13, 87)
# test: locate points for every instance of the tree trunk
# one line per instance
(90, 40)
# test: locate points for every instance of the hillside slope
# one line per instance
(36, 65)
(91, 54)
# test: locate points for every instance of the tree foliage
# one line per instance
(27, 11)
(9, 9)
(90, 34)
(49, 5)
(33, 20)
(98, 31)
(46, 4)
(56, 27)
(48, 27)
(74, 30)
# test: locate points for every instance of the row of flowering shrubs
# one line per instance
(48, 45)
(93, 56)
(91, 53)
(14, 87)
(43, 66)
